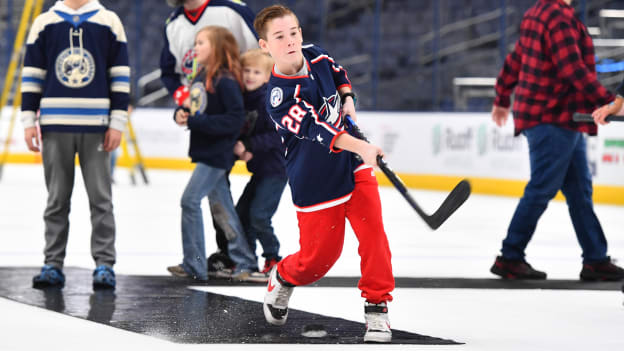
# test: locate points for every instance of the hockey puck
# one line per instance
(314, 331)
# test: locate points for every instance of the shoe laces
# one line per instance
(104, 273)
(375, 318)
(283, 295)
(50, 272)
(377, 321)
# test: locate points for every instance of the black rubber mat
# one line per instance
(481, 283)
(457, 283)
(164, 307)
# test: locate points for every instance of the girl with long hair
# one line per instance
(215, 119)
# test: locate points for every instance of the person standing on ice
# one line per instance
(76, 74)
(215, 119)
(552, 72)
(309, 97)
(179, 67)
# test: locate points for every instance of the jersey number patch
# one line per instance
(292, 120)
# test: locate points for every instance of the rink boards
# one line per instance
(428, 150)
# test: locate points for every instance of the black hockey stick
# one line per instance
(453, 201)
(586, 117)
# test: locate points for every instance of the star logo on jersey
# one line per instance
(319, 138)
(330, 110)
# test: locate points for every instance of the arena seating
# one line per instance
(411, 75)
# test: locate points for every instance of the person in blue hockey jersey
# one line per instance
(76, 75)
(309, 97)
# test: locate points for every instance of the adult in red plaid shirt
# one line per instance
(552, 72)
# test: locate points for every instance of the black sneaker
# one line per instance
(219, 261)
(515, 269)
(605, 270)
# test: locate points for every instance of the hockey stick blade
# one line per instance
(453, 201)
(586, 117)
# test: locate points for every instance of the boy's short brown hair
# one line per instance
(257, 57)
(268, 14)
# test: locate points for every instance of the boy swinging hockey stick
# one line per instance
(309, 93)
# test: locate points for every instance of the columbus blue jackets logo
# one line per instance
(187, 63)
(199, 99)
(277, 95)
(75, 68)
(330, 110)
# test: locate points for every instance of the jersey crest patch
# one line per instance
(75, 68)
(277, 95)
(330, 110)
(199, 99)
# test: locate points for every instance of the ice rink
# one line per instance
(149, 240)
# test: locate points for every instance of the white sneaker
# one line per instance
(254, 277)
(258, 277)
(377, 323)
(276, 299)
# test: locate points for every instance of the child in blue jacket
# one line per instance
(261, 147)
(215, 119)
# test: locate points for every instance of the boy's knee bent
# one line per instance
(308, 274)
(315, 267)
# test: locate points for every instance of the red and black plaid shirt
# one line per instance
(552, 70)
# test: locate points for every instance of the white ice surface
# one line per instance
(148, 240)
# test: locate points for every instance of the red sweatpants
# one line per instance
(322, 237)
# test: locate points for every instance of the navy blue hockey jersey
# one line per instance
(76, 70)
(306, 110)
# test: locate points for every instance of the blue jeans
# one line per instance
(558, 160)
(256, 207)
(210, 181)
